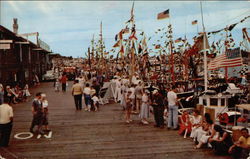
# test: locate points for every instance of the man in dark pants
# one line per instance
(158, 106)
(6, 118)
(77, 92)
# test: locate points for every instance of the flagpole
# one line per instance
(197, 28)
(204, 50)
(171, 52)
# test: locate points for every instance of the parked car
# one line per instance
(49, 76)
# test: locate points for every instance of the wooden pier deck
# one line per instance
(92, 135)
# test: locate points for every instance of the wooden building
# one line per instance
(21, 59)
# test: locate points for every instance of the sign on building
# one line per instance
(5, 44)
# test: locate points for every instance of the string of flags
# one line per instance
(230, 27)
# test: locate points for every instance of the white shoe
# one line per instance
(146, 122)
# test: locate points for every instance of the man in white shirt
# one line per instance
(6, 118)
(172, 109)
(118, 90)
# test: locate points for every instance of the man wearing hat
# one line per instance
(158, 105)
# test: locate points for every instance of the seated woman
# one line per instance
(196, 123)
(202, 128)
(206, 132)
(241, 148)
(10, 93)
(185, 125)
(222, 143)
(26, 92)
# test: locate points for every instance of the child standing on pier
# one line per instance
(46, 112)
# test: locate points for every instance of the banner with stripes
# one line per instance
(231, 58)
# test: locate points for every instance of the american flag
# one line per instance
(231, 58)
(194, 22)
(163, 15)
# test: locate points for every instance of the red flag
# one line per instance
(122, 49)
(133, 36)
(157, 46)
(117, 44)
(120, 34)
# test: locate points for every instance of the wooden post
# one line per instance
(132, 66)
(226, 73)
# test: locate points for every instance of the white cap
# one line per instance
(155, 91)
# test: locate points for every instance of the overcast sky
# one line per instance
(68, 27)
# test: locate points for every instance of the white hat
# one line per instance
(155, 91)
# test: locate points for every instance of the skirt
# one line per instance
(144, 111)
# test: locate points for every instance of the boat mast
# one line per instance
(204, 50)
(132, 44)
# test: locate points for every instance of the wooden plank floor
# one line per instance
(87, 135)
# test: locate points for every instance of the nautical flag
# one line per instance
(117, 44)
(194, 22)
(178, 40)
(163, 15)
(231, 58)
(199, 43)
(126, 30)
(132, 36)
(139, 48)
(144, 43)
(122, 49)
(246, 40)
(232, 26)
(157, 46)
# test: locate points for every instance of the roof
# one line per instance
(19, 38)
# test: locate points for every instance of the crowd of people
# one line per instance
(137, 99)
(87, 91)
(16, 93)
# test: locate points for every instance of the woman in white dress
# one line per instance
(123, 95)
(196, 121)
(207, 132)
(45, 112)
(144, 113)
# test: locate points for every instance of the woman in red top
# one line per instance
(185, 126)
